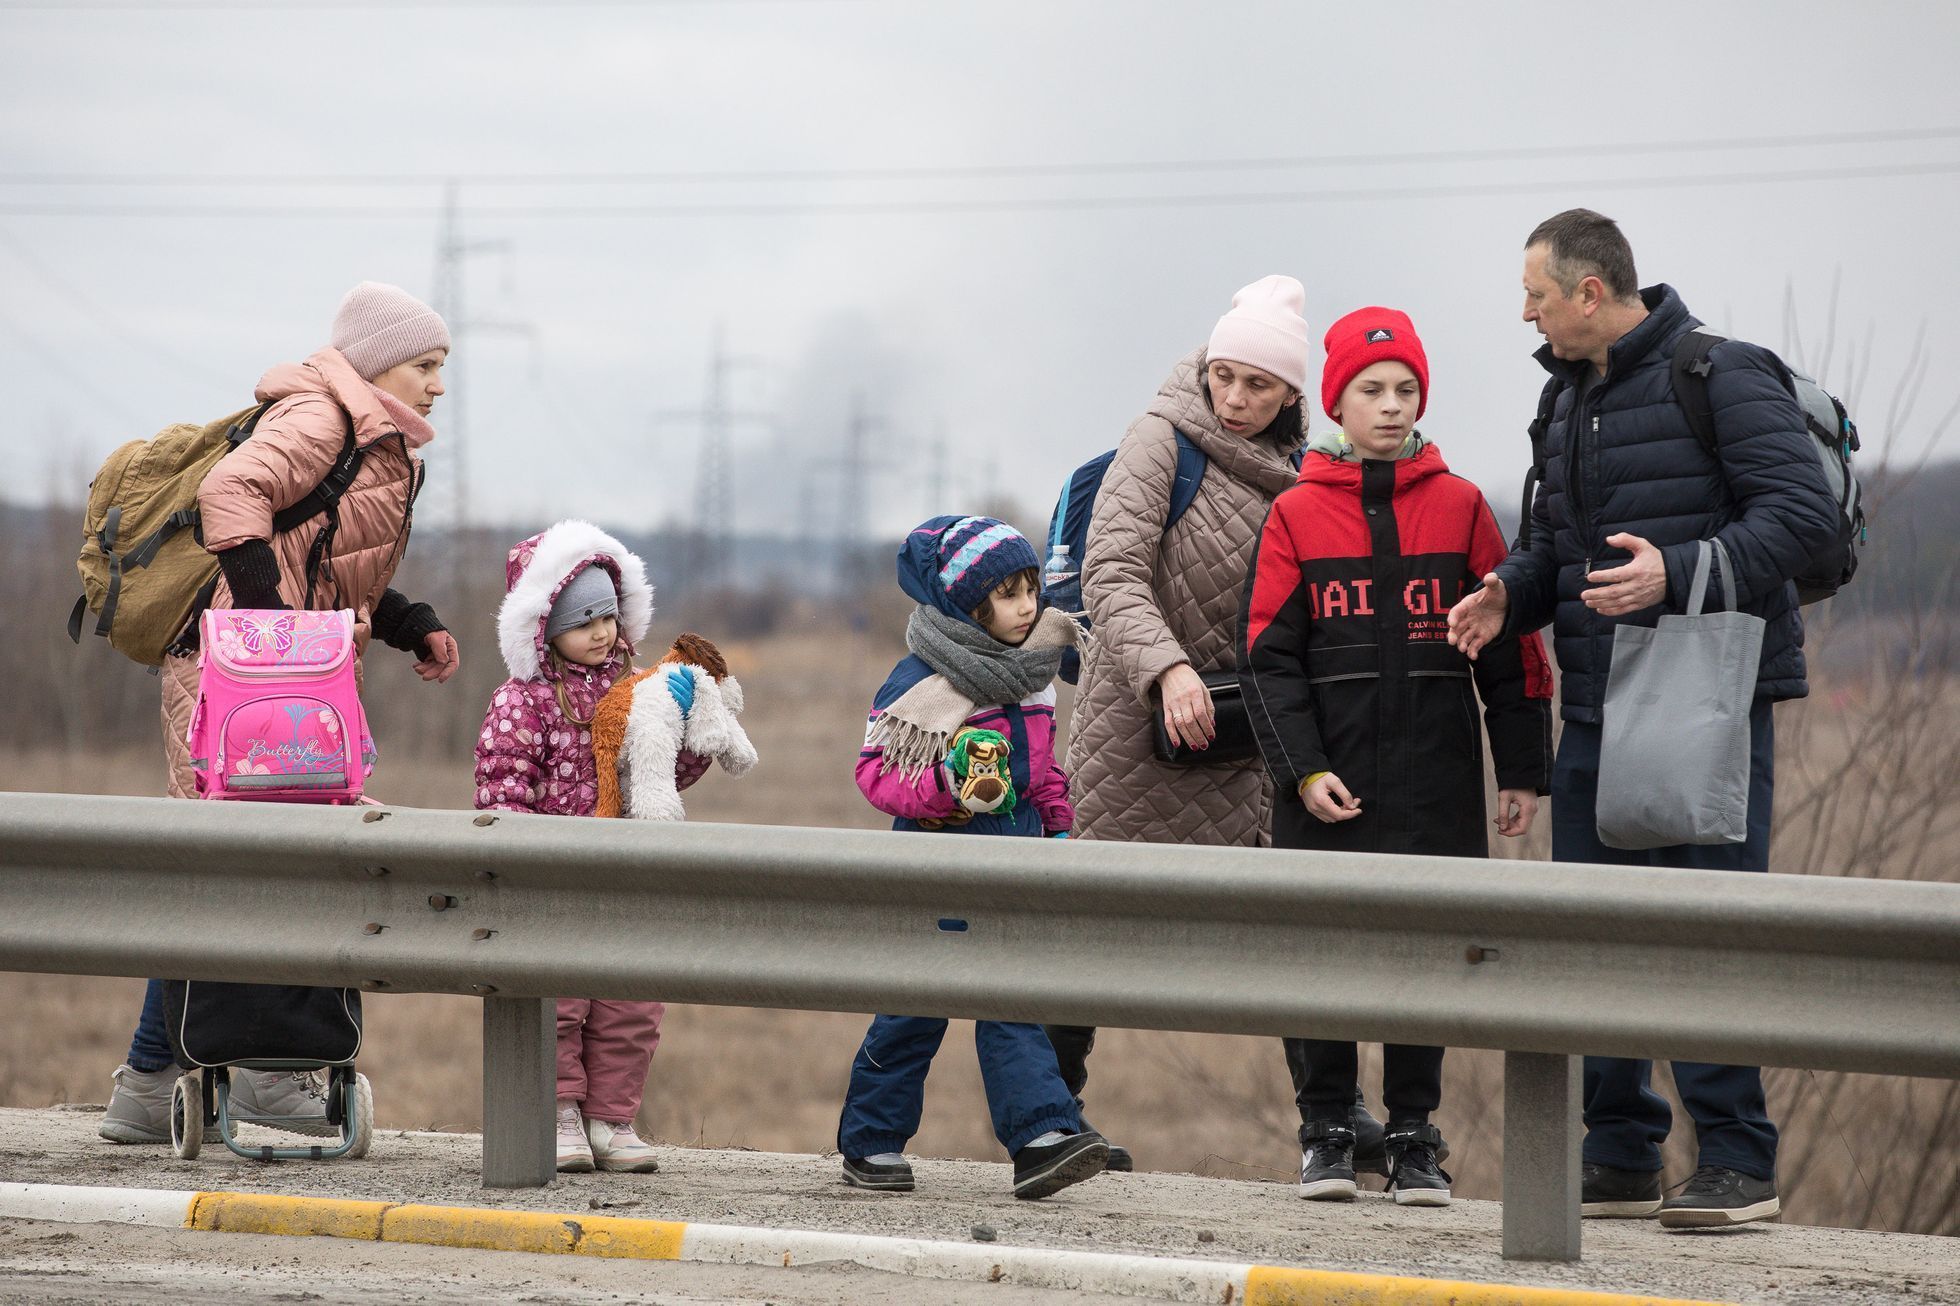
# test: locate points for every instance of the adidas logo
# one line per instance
(1380, 335)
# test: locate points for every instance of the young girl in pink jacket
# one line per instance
(577, 603)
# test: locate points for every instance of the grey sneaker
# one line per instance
(139, 1109)
(292, 1100)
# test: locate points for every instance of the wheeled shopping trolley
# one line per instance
(216, 1028)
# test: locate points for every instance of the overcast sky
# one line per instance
(991, 276)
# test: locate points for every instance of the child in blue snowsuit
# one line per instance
(961, 740)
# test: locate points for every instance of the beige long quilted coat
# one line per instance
(1159, 599)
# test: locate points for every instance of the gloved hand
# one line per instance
(680, 684)
(978, 761)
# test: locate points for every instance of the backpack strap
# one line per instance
(1060, 518)
(1540, 427)
(1690, 370)
(324, 500)
(1191, 464)
(325, 497)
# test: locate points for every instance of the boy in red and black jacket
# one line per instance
(1363, 710)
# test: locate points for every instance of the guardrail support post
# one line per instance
(519, 1082)
(1541, 1156)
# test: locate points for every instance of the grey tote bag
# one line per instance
(1674, 749)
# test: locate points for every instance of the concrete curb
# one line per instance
(1164, 1278)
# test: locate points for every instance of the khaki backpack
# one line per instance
(145, 572)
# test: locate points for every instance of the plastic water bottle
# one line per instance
(1061, 583)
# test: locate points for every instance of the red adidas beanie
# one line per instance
(1363, 338)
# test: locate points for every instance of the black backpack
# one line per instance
(1824, 417)
(1068, 527)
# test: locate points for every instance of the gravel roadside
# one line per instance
(1151, 1214)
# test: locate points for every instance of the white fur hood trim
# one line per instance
(557, 554)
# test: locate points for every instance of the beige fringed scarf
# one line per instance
(916, 731)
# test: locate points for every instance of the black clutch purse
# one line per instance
(1234, 741)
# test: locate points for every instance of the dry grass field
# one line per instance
(1859, 1151)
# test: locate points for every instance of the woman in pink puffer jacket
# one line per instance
(576, 604)
(379, 380)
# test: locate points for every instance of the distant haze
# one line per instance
(1023, 313)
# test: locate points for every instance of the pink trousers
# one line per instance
(604, 1049)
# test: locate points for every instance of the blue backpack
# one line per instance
(1068, 529)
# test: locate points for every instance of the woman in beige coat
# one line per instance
(378, 381)
(1165, 603)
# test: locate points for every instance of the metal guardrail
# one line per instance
(1539, 960)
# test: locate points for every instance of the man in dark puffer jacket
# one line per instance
(1628, 492)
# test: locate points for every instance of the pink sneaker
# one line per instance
(574, 1153)
(618, 1148)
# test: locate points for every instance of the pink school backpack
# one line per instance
(278, 716)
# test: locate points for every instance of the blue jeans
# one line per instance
(1626, 1121)
(1025, 1091)
(149, 1049)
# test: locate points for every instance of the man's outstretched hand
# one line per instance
(1478, 618)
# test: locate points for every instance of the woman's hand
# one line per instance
(1329, 800)
(1188, 717)
(442, 660)
(1515, 808)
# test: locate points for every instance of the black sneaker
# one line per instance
(1413, 1173)
(1120, 1160)
(860, 1172)
(1327, 1162)
(1044, 1171)
(1370, 1157)
(1718, 1196)
(1609, 1193)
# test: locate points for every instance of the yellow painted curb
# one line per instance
(488, 1229)
(1272, 1285)
(530, 1231)
(325, 1217)
(442, 1226)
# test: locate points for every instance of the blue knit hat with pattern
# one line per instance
(953, 563)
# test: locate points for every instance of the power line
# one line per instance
(301, 6)
(28, 259)
(1065, 203)
(990, 171)
(84, 388)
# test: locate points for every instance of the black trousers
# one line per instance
(1325, 1070)
(1073, 1044)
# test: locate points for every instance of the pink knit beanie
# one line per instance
(1265, 329)
(381, 326)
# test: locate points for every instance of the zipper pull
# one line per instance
(1595, 424)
